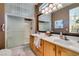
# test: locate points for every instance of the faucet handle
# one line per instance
(66, 38)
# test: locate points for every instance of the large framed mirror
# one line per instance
(66, 19)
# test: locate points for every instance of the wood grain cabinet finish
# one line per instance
(65, 52)
(49, 49)
(2, 33)
(32, 42)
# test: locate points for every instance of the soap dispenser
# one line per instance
(61, 35)
(48, 33)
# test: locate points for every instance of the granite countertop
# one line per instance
(70, 44)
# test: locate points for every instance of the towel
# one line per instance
(37, 42)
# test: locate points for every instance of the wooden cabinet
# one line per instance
(2, 33)
(65, 52)
(49, 49)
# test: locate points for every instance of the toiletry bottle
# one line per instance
(61, 35)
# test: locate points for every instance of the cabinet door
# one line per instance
(32, 42)
(49, 49)
(46, 49)
(52, 50)
(65, 52)
(41, 46)
(39, 51)
(2, 33)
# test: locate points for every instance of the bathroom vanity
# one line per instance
(53, 46)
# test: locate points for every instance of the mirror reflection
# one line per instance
(74, 20)
(45, 22)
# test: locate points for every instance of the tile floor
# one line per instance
(23, 50)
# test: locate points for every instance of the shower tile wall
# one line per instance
(15, 31)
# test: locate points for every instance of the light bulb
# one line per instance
(46, 12)
(51, 6)
(59, 6)
(50, 10)
(43, 11)
(46, 9)
(54, 8)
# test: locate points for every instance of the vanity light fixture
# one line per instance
(50, 7)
